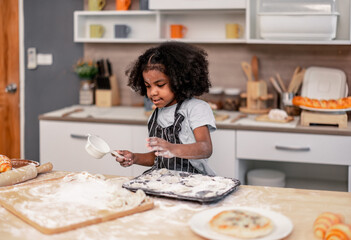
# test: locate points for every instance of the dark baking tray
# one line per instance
(168, 194)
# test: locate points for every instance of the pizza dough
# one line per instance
(241, 224)
(182, 183)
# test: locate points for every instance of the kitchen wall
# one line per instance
(48, 26)
(225, 59)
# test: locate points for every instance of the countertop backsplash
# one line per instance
(225, 60)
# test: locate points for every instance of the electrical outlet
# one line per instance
(32, 58)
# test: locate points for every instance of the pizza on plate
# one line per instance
(241, 224)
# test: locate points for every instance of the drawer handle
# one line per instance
(79, 136)
(298, 149)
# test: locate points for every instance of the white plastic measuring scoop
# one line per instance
(98, 148)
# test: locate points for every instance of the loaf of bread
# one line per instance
(324, 221)
(5, 163)
(339, 231)
(341, 103)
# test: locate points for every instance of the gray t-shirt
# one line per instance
(196, 113)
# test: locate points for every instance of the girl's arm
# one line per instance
(202, 148)
(129, 158)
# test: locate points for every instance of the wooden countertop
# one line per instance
(137, 116)
(169, 219)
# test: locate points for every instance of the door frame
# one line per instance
(21, 74)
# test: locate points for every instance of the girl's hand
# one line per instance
(127, 159)
(160, 146)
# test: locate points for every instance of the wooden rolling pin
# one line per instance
(23, 174)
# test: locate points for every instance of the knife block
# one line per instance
(256, 97)
(108, 97)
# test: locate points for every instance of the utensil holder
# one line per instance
(108, 97)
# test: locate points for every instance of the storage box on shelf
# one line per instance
(298, 22)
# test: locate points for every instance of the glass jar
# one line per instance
(214, 98)
(231, 101)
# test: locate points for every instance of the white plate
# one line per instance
(326, 110)
(199, 223)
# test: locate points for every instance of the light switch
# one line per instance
(44, 59)
(32, 58)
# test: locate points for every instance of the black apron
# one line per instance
(170, 134)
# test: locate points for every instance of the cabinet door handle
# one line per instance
(79, 136)
(289, 148)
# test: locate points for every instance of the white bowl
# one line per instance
(266, 177)
(96, 147)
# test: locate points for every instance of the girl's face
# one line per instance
(158, 88)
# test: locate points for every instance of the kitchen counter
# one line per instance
(137, 116)
(169, 218)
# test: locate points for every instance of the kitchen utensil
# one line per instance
(275, 85)
(98, 148)
(247, 70)
(281, 83)
(23, 174)
(297, 81)
(296, 71)
(240, 116)
(72, 111)
(17, 163)
(109, 68)
(184, 186)
(254, 66)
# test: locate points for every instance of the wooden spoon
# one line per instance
(254, 66)
(247, 70)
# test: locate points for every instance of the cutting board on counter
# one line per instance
(44, 206)
(265, 118)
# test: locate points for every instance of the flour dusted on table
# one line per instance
(76, 198)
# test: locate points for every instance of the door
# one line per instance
(9, 80)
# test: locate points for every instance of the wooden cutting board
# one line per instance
(43, 206)
(265, 118)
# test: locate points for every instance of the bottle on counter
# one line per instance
(215, 97)
(231, 100)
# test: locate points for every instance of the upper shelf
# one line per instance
(205, 24)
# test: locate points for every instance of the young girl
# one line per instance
(179, 128)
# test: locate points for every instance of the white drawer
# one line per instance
(294, 147)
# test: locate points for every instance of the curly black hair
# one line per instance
(185, 65)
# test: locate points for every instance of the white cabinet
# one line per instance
(62, 143)
(203, 26)
(205, 20)
(222, 160)
(143, 24)
(195, 4)
(308, 160)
